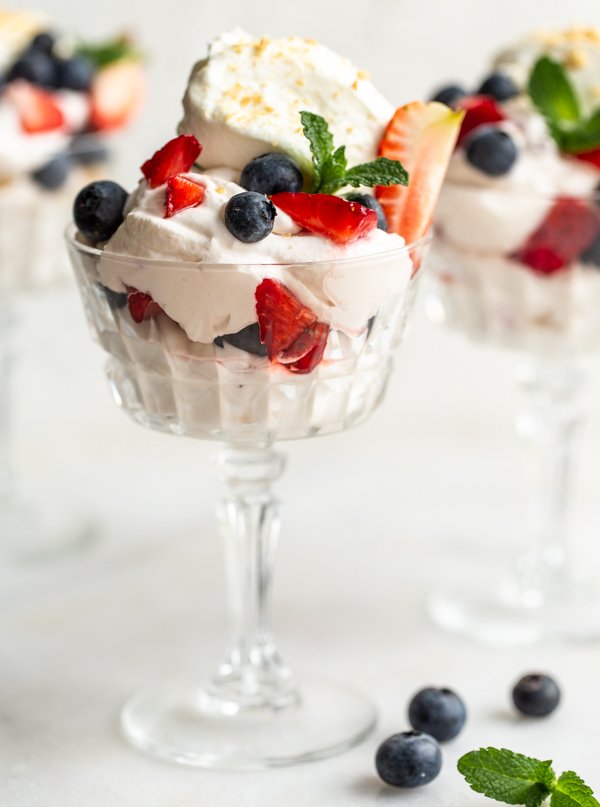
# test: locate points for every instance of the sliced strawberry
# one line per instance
(592, 157)
(310, 338)
(479, 111)
(37, 108)
(422, 137)
(175, 157)
(181, 194)
(310, 360)
(142, 306)
(116, 94)
(570, 227)
(337, 219)
(281, 317)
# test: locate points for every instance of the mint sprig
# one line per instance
(330, 166)
(514, 778)
(101, 54)
(554, 95)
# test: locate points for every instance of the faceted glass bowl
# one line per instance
(167, 382)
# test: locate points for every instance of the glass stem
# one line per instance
(252, 674)
(549, 423)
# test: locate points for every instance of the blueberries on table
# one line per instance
(98, 209)
(499, 86)
(366, 200)
(439, 712)
(449, 95)
(272, 173)
(249, 216)
(247, 339)
(408, 759)
(536, 695)
(75, 73)
(54, 173)
(491, 150)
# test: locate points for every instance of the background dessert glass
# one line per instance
(549, 316)
(251, 713)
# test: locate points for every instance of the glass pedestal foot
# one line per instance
(180, 721)
(507, 614)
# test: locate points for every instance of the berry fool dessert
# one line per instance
(254, 283)
(59, 101)
(517, 259)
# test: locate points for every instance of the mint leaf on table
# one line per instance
(330, 166)
(572, 791)
(551, 91)
(506, 776)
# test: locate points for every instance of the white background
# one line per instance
(374, 518)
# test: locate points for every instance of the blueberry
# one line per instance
(43, 42)
(87, 149)
(98, 209)
(272, 173)
(116, 299)
(591, 255)
(247, 339)
(366, 200)
(491, 150)
(439, 712)
(499, 86)
(75, 73)
(249, 216)
(450, 94)
(34, 66)
(536, 695)
(409, 759)
(54, 173)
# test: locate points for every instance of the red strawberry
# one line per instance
(337, 219)
(319, 333)
(142, 306)
(37, 108)
(422, 137)
(181, 194)
(479, 110)
(175, 157)
(570, 227)
(592, 157)
(310, 338)
(116, 94)
(281, 317)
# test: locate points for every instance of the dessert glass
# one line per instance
(550, 320)
(251, 713)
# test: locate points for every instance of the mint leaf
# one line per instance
(334, 171)
(584, 137)
(552, 93)
(505, 776)
(381, 171)
(320, 138)
(571, 791)
(101, 54)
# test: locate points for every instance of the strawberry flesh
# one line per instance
(309, 339)
(480, 110)
(334, 218)
(281, 317)
(182, 193)
(175, 157)
(38, 111)
(319, 333)
(592, 157)
(570, 227)
(116, 94)
(142, 306)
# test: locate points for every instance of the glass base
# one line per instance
(28, 536)
(508, 615)
(181, 722)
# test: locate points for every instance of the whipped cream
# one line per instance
(244, 99)
(17, 28)
(214, 293)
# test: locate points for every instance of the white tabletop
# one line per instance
(373, 519)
